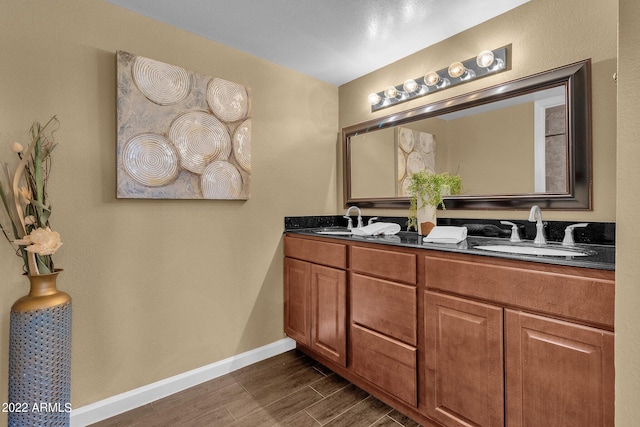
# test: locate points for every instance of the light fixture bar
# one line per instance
(485, 63)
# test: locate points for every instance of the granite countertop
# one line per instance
(603, 257)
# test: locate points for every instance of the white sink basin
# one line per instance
(534, 250)
(335, 233)
(338, 231)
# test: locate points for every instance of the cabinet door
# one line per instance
(558, 373)
(464, 376)
(297, 300)
(329, 313)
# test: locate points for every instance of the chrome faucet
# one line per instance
(515, 235)
(535, 215)
(350, 223)
(568, 233)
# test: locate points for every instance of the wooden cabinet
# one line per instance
(315, 297)
(455, 339)
(384, 320)
(558, 373)
(386, 362)
(329, 313)
(384, 306)
(464, 362)
(297, 300)
(558, 368)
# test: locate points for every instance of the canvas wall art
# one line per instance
(415, 152)
(181, 134)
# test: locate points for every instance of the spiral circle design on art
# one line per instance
(229, 101)
(406, 138)
(405, 186)
(242, 145)
(221, 180)
(200, 138)
(402, 164)
(415, 163)
(150, 159)
(161, 83)
(427, 143)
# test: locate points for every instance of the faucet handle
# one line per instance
(568, 233)
(371, 220)
(349, 223)
(515, 235)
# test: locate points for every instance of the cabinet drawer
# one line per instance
(331, 254)
(392, 265)
(389, 364)
(386, 307)
(576, 294)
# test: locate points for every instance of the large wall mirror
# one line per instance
(517, 144)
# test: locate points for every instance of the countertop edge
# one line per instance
(604, 254)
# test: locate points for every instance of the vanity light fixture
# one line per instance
(457, 70)
(433, 80)
(486, 59)
(374, 98)
(390, 92)
(410, 86)
(485, 63)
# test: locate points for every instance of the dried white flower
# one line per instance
(16, 147)
(41, 241)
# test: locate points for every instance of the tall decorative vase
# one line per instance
(40, 356)
(426, 216)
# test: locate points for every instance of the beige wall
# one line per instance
(159, 287)
(543, 34)
(628, 208)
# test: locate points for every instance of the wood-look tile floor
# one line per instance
(290, 389)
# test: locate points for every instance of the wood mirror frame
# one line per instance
(576, 80)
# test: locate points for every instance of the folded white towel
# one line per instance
(446, 234)
(386, 228)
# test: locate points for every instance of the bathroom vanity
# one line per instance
(456, 336)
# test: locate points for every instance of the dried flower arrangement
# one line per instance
(24, 196)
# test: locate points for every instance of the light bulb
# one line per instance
(431, 78)
(456, 69)
(391, 92)
(374, 98)
(410, 86)
(485, 59)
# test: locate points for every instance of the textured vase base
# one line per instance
(40, 367)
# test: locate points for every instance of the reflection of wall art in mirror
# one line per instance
(181, 134)
(416, 152)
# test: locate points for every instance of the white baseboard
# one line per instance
(127, 401)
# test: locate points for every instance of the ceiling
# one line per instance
(332, 40)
